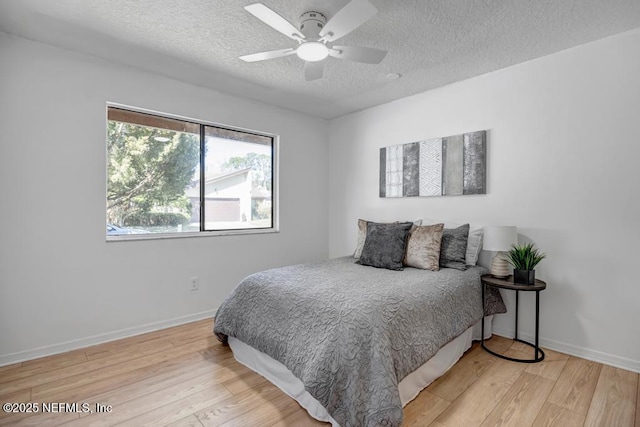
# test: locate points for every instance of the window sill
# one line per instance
(159, 236)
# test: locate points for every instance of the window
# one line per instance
(167, 176)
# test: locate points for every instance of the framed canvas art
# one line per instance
(449, 166)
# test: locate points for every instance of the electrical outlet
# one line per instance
(195, 283)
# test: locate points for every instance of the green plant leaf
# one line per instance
(525, 257)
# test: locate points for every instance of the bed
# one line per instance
(352, 343)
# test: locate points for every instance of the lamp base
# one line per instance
(500, 266)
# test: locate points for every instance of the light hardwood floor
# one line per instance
(183, 376)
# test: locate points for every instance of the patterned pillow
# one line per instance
(362, 235)
(423, 247)
(474, 242)
(453, 249)
(384, 245)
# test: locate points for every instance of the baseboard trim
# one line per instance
(573, 350)
(21, 356)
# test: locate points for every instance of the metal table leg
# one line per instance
(539, 353)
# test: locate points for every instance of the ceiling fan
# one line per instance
(316, 36)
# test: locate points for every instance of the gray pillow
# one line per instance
(384, 245)
(362, 234)
(453, 249)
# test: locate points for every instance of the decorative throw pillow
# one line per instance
(453, 249)
(474, 245)
(474, 242)
(423, 247)
(384, 245)
(362, 235)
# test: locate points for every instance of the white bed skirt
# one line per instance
(409, 387)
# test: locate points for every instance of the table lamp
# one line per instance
(499, 238)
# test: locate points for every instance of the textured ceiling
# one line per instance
(431, 43)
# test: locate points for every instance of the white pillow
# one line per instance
(474, 242)
(362, 235)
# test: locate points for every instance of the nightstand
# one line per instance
(488, 280)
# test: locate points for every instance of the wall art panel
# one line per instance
(394, 169)
(430, 167)
(453, 161)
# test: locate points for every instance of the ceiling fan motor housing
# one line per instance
(311, 23)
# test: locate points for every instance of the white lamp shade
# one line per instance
(499, 238)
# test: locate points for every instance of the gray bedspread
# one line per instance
(351, 333)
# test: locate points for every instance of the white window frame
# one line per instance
(275, 220)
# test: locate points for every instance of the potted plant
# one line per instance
(524, 259)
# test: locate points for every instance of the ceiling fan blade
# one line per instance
(368, 55)
(274, 20)
(313, 70)
(350, 17)
(272, 54)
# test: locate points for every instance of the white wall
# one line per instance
(563, 153)
(61, 284)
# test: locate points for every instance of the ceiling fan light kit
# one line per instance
(312, 51)
(314, 34)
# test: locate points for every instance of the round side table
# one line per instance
(507, 283)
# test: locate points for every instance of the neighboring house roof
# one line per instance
(217, 179)
(225, 175)
(260, 193)
(226, 180)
